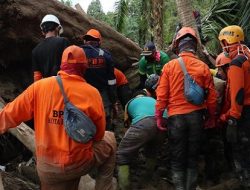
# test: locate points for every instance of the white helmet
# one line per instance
(52, 18)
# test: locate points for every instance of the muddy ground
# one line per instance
(20, 171)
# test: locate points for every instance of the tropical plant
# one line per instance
(222, 14)
(121, 12)
(133, 18)
(95, 10)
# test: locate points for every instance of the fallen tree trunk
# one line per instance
(20, 31)
(23, 133)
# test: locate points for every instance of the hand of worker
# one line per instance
(161, 124)
(221, 123)
(224, 118)
(210, 123)
(231, 132)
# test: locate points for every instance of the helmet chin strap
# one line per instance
(241, 49)
(244, 48)
(226, 49)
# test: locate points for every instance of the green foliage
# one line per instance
(95, 10)
(109, 19)
(67, 2)
(221, 14)
(132, 18)
(170, 20)
(121, 11)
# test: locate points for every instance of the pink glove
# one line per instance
(159, 120)
(224, 118)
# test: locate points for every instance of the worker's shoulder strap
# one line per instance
(98, 50)
(182, 64)
(59, 81)
(238, 61)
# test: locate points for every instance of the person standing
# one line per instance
(186, 120)
(237, 96)
(100, 72)
(124, 92)
(61, 161)
(46, 56)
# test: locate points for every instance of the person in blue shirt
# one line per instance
(142, 132)
(100, 72)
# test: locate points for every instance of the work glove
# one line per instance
(231, 132)
(159, 120)
(224, 118)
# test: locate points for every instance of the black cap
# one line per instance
(148, 49)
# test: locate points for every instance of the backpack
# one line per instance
(77, 124)
(192, 91)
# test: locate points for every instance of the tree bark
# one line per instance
(185, 12)
(23, 133)
(20, 31)
(157, 18)
(184, 8)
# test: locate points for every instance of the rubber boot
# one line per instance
(123, 177)
(191, 179)
(245, 182)
(178, 180)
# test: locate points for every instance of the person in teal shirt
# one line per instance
(151, 62)
(142, 132)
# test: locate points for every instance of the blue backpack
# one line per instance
(77, 124)
(192, 91)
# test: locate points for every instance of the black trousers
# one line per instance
(185, 139)
(124, 94)
(145, 134)
(241, 149)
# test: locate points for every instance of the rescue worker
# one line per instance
(46, 56)
(237, 97)
(222, 65)
(141, 133)
(124, 92)
(185, 120)
(151, 62)
(215, 145)
(61, 161)
(100, 72)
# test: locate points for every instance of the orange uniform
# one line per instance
(43, 101)
(120, 77)
(238, 86)
(170, 92)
